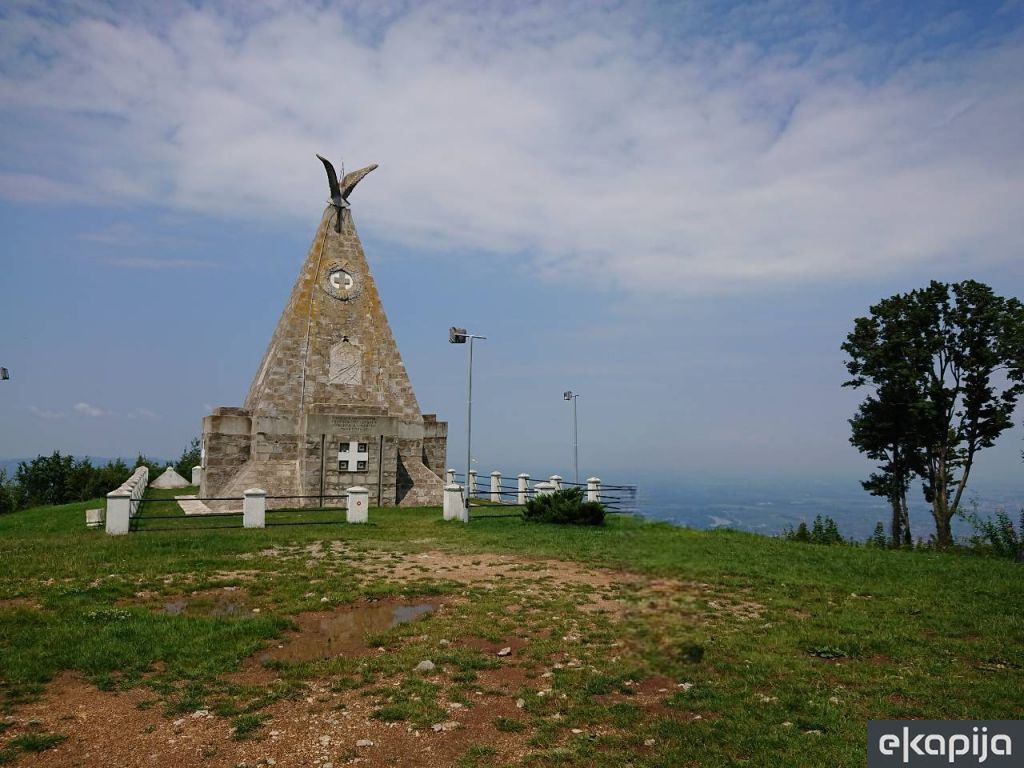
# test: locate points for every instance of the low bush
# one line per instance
(565, 507)
(997, 536)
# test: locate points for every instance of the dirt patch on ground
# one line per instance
(489, 570)
(344, 632)
(11, 603)
(225, 601)
(336, 724)
(617, 593)
(492, 648)
(109, 729)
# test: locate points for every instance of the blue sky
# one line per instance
(675, 209)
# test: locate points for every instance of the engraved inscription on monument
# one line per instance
(346, 363)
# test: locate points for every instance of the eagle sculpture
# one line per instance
(340, 192)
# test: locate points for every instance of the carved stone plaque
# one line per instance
(346, 364)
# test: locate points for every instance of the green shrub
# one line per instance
(565, 507)
(998, 536)
(8, 497)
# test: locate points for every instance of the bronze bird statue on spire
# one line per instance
(340, 192)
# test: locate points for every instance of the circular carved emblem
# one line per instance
(340, 283)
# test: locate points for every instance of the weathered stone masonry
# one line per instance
(331, 396)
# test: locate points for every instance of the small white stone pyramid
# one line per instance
(170, 479)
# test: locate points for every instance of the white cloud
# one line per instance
(32, 188)
(583, 142)
(45, 414)
(90, 410)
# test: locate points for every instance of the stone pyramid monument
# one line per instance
(331, 405)
(169, 478)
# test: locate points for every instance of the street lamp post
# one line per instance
(570, 395)
(459, 336)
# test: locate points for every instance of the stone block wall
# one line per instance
(227, 442)
(435, 444)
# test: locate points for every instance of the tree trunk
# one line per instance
(896, 526)
(940, 503)
(908, 540)
(943, 529)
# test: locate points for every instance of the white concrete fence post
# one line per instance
(119, 512)
(197, 475)
(254, 508)
(453, 502)
(496, 486)
(524, 489)
(471, 488)
(123, 503)
(450, 480)
(543, 489)
(556, 480)
(358, 504)
(593, 489)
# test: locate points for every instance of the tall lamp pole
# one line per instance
(459, 336)
(570, 395)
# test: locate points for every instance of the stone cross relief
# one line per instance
(353, 457)
(346, 363)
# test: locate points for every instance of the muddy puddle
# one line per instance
(219, 604)
(344, 633)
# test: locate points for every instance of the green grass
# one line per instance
(37, 742)
(245, 726)
(771, 652)
(508, 725)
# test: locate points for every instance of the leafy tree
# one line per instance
(60, 479)
(822, 531)
(800, 534)
(154, 466)
(190, 457)
(46, 480)
(947, 366)
(8, 499)
(888, 426)
(877, 539)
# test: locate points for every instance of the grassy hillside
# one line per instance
(702, 648)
